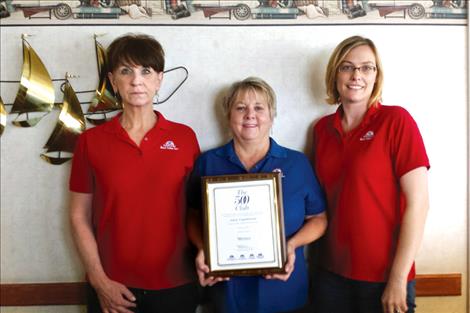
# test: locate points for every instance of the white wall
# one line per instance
(425, 71)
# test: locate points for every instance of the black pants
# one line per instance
(182, 299)
(333, 293)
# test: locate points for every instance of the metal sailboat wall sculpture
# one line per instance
(104, 100)
(61, 144)
(3, 116)
(36, 92)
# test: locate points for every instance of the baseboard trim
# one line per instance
(438, 285)
(42, 294)
(428, 285)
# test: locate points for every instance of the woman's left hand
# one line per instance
(394, 297)
(414, 186)
(289, 265)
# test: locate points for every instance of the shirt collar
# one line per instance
(373, 109)
(114, 126)
(275, 150)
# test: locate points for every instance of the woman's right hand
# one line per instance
(114, 297)
(202, 270)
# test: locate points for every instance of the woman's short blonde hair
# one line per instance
(253, 84)
(338, 56)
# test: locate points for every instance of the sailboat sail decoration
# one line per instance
(70, 125)
(3, 116)
(36, 92)
(104, 100)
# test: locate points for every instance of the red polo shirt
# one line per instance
(360, 173)
(138, 200)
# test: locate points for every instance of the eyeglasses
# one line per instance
(363, 69)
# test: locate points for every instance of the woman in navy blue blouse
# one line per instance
(250, 108)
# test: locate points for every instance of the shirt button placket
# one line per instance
(143, 145)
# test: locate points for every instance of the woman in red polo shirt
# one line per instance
(371, 161)
(127, 194)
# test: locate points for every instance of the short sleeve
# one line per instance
(81, 174)
(408, 151)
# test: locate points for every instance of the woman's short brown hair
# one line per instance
(338, 56)
(136, 49)
(254, 84)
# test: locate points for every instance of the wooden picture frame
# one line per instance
(244, 224)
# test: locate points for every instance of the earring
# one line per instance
(117, 96)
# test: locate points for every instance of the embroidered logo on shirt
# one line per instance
(169, 145)
(368, 136)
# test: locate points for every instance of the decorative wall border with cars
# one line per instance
(242, 12)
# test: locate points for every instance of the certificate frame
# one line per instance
(244, 224)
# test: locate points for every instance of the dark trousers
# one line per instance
(336, 294)
(182, 299)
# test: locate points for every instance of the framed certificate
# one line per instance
(244, 224)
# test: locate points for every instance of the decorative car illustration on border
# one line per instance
(244, 9)
(421, 9)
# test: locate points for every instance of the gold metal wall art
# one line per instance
(71, 123)
(36, 92)
(104, 100)
(35, 98)
(3, 116)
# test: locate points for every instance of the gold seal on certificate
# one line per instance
(244, 224)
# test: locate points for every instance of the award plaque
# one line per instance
(244, 224)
